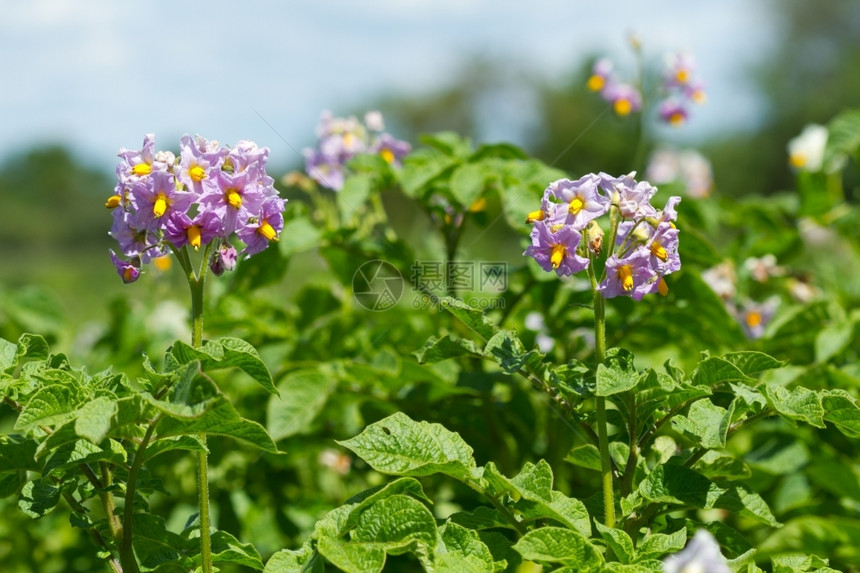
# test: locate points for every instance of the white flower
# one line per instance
(373, 121)
(806, 151)
(701, 555)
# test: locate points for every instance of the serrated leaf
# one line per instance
(706, 424)
(750, 361)
(618, 541)
(841, 410)
(399, 445)
(462, 551)
(93, 420)
(38, 497)
(558, 545)
(54, 403)
(675, 484)
(798, 404)
(613, 380)
(713, 370)
(659, 544)
(438, 349)
(301, 397)
(226, 353)
(220, 419)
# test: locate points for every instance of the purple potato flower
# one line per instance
(632, 197)
(260, 230)
(629, 276)
(157, 197)
(673, 112)
(390, 149)
(128, 271)
(224, 260)
(625, 98)
(580, 200)
(556, 251)
(180, 230)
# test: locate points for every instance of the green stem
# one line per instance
(126, 552)
(600, 406)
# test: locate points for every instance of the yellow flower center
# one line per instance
(625, 275)
(387, 155)
(128, 274)
(699, 96)
(267, 231)
(142, 169)
(682, 76)
(623, 107)
(160, 206)
(576, 205)
(558, 254)
(535, 216)
(197, 173)
(113, 202)
(662, 287)
(162, 263)
(676, 118)
(797, 159)
(596, 83)
(233, 198)
(348, 139)
(658, 251)
(753, 318)
(479, 205)
(194, 237)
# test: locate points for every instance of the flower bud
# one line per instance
(595, 237)
(224, 259)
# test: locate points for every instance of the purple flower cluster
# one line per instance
(681, 87)
(624, 97)
(209, 193)
(566, 235)
(341, 139)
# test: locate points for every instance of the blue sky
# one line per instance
(99, 74)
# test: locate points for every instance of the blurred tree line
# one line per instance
(51, 200)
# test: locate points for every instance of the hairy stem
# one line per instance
(126, 551)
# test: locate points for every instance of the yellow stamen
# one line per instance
(623, 107)
(267, 231)
(797, 159)
(699, 96)
(128, 274)
(625, 275)
(348, 139)
(596, 83)
(233, 198)
(113, 202)
(387, 155)
(160, 206)
(576, 205)
(197, 173)
(556, 228)
(142, 169)
(479, 205)
(535, 216)
(753, 319)
(676, 119)
(558, 254)
(659, 251)
(162, 263)
(194, 237)
(682, 76)
(662, 287)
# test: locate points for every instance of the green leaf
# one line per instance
(467, 183)
(798, 404)
(472, 317)
(674, 484)
(221, 419)
(38, 497)
(226, 353)
(420, 169)
(706, 424)
(302, 560)
(613, 380)
(660, 544)
(400, 446)
(750, 362)
(843, 139)
(438, 349)
(356, 189)
(509, 352)
(153, 543)
(833, 339)
(17, 453)
(618, 541)
(558, 545)
(353, 557)
(715, 465)
(93, 420)
(84, 452)
(462, 551)
(586, 456)
(840, 408)
(227, 549)
(30, 347)
(54, 403)
(297, 236)
(183, 443)
(356, 505)
(448, 142)
(712, 371)
(302, 396)
(481, 518)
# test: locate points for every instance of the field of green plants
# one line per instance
(443, 356)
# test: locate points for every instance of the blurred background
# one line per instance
(84, 79)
